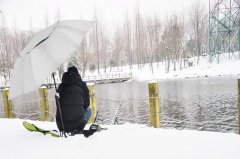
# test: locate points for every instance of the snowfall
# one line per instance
(130, 141)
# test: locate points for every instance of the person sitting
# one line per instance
(74, 103)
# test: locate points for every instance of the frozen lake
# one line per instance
(198, 104)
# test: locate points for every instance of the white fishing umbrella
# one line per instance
(45, 52)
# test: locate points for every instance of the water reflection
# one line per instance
(127, 101)
(199, 104)
(202, 104)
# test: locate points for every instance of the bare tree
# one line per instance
(138, 37)
(97, 40)
(177, 38)
(153, 39)
(150, 41)
(83, 53)
(104, 43)
(198, 25)
(19, 41)
(128, 40)
(157, 38)
(117, 45)
(172, 39)
(6, 61)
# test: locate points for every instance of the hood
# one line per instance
(69, 78)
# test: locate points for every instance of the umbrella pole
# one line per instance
(54, 81)
(58, 105)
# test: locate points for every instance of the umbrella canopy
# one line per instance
(45, 52)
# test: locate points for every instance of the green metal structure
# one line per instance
(224, 29)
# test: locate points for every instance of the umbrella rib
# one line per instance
(45, 38)
(42, 41)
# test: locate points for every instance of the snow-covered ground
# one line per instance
(129, 141)
(203, 69)
(225, 67)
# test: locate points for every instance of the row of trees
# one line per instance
(11, 44)
(147, 39)
(137, 41)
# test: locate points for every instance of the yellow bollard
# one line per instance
(91, 88)
(238, 106)
(44, 106)
(154, 104)
(7, 104)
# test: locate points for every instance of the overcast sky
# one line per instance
(26, 13)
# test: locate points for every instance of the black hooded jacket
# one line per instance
(74, 99)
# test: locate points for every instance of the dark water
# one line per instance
(197, 104)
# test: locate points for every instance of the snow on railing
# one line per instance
(107, 76)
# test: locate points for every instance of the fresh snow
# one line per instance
(128, 141)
